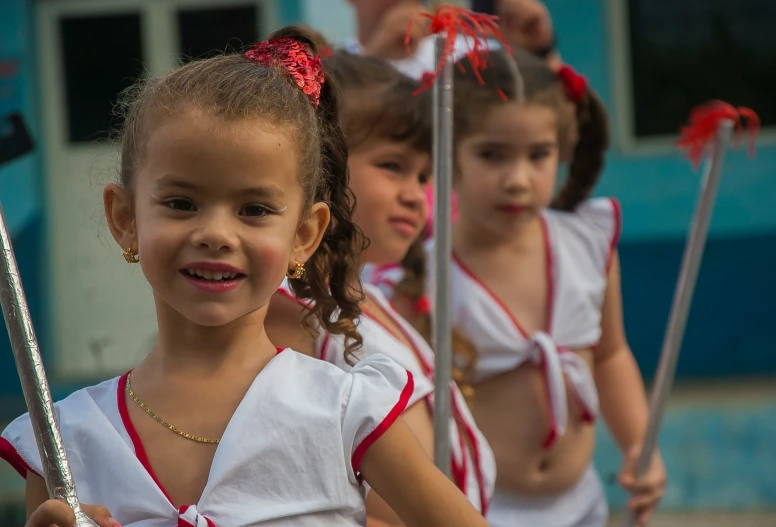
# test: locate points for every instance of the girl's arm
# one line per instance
(284, 327)
(418, 420)
(399, 470)
(44, 512)
(623, 401)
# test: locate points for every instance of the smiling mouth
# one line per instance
(212, 276)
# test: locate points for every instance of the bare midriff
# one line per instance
(512, 411)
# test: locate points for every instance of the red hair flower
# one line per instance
(574, 83)
(705, 121)
(296, 58)
(455, 21)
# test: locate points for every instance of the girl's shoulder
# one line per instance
(369, 397)
(92, 406)
(590, 233)
(596, 217)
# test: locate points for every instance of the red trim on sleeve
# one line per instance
(386, 423)
(10, 455)
(137, 443)
(617, 212)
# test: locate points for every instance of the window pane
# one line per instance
(209, 32)
(102, 56)
(687, 52)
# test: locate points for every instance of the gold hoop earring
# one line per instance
(297, 273)
(131, 256)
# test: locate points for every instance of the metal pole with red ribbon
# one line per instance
(709, 131)
(448, 23)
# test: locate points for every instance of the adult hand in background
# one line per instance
(388, 39)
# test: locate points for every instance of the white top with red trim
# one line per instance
(290, 455)
(472, 461)
(384, 277)
(579, 249)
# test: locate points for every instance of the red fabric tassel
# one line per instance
(456, 21)
(705, 121)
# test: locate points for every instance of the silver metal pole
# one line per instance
(441, 321)
(56, 470)
(680, 309)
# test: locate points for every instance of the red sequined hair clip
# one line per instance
(705, 121)
(296, 57)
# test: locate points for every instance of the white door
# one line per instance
(102, 312)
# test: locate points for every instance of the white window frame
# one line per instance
(623, 119)
(159, 37)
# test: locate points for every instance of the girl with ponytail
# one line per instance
(536, 290)
(233, 176)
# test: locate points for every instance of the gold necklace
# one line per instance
(161, 421)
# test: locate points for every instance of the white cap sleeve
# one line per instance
(19, 448)
(379, 393)
(331, 351)
(605, 216)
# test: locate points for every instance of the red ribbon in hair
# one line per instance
(705, 121)
(457, 21)
(296, 58)
(574, 83)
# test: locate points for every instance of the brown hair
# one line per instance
(589, 154)
(230, 87)
(523, 77)
(380, 102)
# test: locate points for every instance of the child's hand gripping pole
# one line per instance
(712, 122)
(447, 24)
(33, 377)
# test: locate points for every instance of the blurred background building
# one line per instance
(62, 63)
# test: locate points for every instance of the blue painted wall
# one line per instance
(727, 331)
(20, 189)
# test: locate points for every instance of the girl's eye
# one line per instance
(491, 155)
(539, 155)
(424, 179)
(254, 211)
(393, 167)
(182, 205)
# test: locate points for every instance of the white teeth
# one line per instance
(211, 275)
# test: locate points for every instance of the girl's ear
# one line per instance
(310, 233)
(120, 216)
